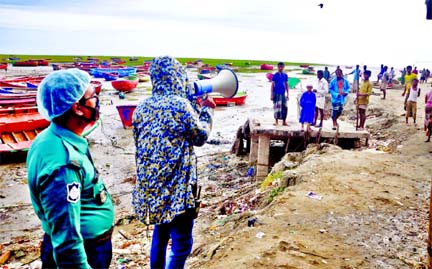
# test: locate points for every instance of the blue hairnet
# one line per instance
(60, 90)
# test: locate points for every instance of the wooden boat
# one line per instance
(26, 63)
(304, 65)
(269, 76)
(204, 76)
(239, 99)
(308, 72)
(145, 68)
(19, 126)
(126, 112)
(143, 77)
(20, 82)
(122, 71)
(266, 67)
(124, 85)
(97, 86)
(110, 76)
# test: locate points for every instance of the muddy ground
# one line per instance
(370, 208)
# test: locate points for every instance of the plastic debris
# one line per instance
(260, 235)
(313, 195)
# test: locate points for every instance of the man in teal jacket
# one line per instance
(71, 201)
(339, 88)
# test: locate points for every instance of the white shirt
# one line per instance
(413, 94)
(322, 90)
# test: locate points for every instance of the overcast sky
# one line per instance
(346, 32)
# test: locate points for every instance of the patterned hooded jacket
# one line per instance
(166, 127)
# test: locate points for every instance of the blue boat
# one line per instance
(110, 76)
(122, 72)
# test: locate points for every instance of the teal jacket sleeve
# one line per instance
(60, 199)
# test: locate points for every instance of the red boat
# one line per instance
(236, 100)
(97, 86)
(126, 112)
(228, 101)
(26, 63)
(20, 82)
(266, 67)
(3, 66)
(124, 85)
(19, 126)
(269, 76)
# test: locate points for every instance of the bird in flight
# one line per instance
(321, 5)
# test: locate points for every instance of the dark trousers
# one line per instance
(99, 253)
(180, 232)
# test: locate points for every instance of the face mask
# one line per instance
(94, 116)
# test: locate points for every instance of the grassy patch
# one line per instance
(275, 192)
(243, 66)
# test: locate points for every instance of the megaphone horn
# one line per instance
(225, 83)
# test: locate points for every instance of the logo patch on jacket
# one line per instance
(73, 192)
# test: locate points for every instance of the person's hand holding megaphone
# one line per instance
(208, 102)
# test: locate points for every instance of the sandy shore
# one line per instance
(373, 211)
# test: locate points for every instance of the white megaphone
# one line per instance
(225, 83)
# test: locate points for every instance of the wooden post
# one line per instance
(429, 244)
(263, 156)
(253, 154)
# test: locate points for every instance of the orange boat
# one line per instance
(18, 127)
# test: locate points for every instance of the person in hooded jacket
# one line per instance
(166, 127)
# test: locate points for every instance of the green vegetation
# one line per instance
(244, 66)
(268, 181)
(275, 192)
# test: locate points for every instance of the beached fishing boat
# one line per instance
(97, 85)
(25, 63)
(269, 76)
(110, 76)
(266, 67)
(126, 112)
(20, 82)
(204, 76)
(121, 71)
(304, 65)
(3, 66)
(124, 85)
(19, 126)
(237, 100)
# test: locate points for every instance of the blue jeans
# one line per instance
(99, 254)
(180, 232)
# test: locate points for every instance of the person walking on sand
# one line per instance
(408, 78)
(339, 88)
(363, 99)
(411, 106)
(356, 79)
(320, 92)
(307, 104)
(69, 198)
(280, 94)
(428, 113)
(385, 78)
(166, 127)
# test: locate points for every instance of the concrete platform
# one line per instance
(263, 131)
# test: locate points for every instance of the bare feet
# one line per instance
(284, 124)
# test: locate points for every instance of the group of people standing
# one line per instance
(312, 101)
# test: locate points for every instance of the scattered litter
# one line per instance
(313, 195)
(251, 222)
(322, 231)
(260, 235)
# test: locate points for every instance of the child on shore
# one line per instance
(411, 105)
(363, 99)
(307, 104)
